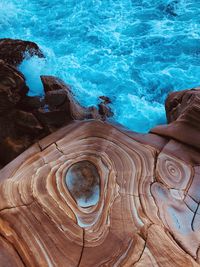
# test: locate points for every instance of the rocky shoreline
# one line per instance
(147, 212)
(23, 119)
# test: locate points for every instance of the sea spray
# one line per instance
(135, 52)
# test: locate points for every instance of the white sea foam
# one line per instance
(135, 52)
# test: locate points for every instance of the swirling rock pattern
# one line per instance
(182, 109)
(94, 194)
(146, 212)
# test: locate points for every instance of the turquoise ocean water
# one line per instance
(134, 51)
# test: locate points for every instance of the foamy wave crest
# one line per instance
(135, 52)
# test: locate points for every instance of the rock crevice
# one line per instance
(147, 213)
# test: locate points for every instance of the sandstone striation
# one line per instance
(95, 194)
(146, 214)
(183, 113)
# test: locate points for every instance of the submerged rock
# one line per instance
(83, 182)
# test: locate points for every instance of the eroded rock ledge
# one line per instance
(24, 119)
(146, 212)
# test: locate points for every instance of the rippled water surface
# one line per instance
(134, 51)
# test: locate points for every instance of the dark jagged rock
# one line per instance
(18, 130)
(24, 119)
(51, 83)
(11, 147)
(31, 118)
(105, 111)
(14, 51)
(12, 87)
(52, 120)
(27, 123)
(59, 96)
(106, 100)
(30, 103)
(55, 99)
(61, 107)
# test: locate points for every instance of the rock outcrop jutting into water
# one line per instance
(93, 193)
(25, 119)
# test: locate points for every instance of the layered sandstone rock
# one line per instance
(183, 113)
(145, 214)
(93, 193)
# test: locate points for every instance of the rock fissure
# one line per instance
(147, 213)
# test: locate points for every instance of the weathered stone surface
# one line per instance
(105, 111)
(52, 120)
(94, 193)
(59, 95)
(180, 102)
(12, 87)
(24, 119)
(9, 256)
(146, 213)
(14, 51)
(31, 103)
(52, 83)
(26, 122)
(56, 98)
(183, 109)
(17, 128)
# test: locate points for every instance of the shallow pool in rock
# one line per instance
(83, 182)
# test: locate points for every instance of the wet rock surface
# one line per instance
(83, 182)
(24, 119)
(14, 51)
